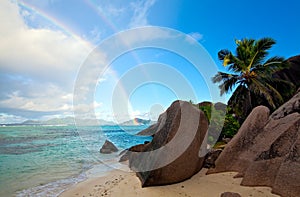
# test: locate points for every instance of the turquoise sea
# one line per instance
(45, 160)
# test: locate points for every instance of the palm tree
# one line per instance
(251, 75)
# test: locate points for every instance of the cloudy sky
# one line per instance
(46, 44)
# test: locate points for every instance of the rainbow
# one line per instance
(67, 30)
(91, 4)
(62, 27)
(135, 121)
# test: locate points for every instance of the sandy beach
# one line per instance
(120, 183)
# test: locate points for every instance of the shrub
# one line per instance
(228, 128)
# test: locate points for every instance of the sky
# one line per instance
(51, 52)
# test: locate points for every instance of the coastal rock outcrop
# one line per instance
(235, 156)
(177, 150)
(292, 106)
(266, 152)
(108, 147)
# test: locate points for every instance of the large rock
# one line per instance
(272, 146)
(292, 106)
(220, 106)
(151, 130)
(237, 155)
(178, 147)
(269, 156)
(108, 147)
(292, 73)
(126, 153)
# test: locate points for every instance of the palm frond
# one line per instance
(228, 81)
(223, 53)
(264, 44)
(283, 83)
(240, 101)
(261, 90)
(240, 93)
(236, 65)
(276, 63)
(221, 76)
(277, 95)
(261, 48)
(286, 88)
(243, 50)
(254, 76)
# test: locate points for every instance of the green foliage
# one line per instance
(250, 75)
(207, 111)
(210, 139)
(231, 126)
(228, 127)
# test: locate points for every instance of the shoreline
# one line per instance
(121, 183)
(57, 187)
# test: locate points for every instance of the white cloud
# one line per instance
(39, 65)
(51, 99)
(141, 35)
(113, 11)
(134, 113)
(38, 53)
(87, 110)
(122, 15)
(140, 13)
(194, 37)
(8, 118)
(42, 3)
(95, 35)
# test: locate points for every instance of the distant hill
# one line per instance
(137, 121)
(91, 122)
(60, 121)
(31, 122)
(67, 121)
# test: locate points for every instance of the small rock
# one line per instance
(211, 157)
(230, 194)
(108, 147)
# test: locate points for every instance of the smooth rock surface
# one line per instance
(237, 154)
(175, 153)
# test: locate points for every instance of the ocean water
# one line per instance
(45, 160)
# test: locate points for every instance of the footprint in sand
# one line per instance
(104, 190)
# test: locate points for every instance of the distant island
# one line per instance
(70, 121)
(138, 121)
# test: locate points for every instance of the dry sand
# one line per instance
(119, 183)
